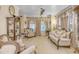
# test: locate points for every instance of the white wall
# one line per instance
(53, 23)
(4, 12)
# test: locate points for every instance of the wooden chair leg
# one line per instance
(58, 44)
(57, 47)
(35, 52)
(48, 37)
(74, 51)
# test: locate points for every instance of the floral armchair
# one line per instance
(30, 32)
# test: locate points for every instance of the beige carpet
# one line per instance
(45, 46)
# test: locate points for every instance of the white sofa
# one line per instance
(14, 47)
(60, 38)
(11, 49)
(29, 50)
(8, 49)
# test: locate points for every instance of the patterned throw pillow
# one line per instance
(64, 35)
(56, 35)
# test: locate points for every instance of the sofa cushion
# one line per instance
(60, 32)
(54, 39)
(64, 35)
(64, 42)
(8, 49)
(29, 50)
(55, 34)
(51, 33)
(13, 43)
(4, 39)
(21, 43)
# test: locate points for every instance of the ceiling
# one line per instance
(34, 10)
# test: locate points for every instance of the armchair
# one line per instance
(30, 32)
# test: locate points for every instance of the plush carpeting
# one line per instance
(45, 46)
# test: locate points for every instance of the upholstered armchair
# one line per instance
(30, 32)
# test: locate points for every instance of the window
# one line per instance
(43, 27)
(32, 26)
(70, 22)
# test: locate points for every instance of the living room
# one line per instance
(39, 29)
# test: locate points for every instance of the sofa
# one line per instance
(30, 50)
(60, 38)
(15, 47)
(10, 47)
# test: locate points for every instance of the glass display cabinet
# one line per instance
(76, 28)
(76, 18)
(24, 25)
(13, 27)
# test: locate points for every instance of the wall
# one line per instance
(53, 23)
(4, 12)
